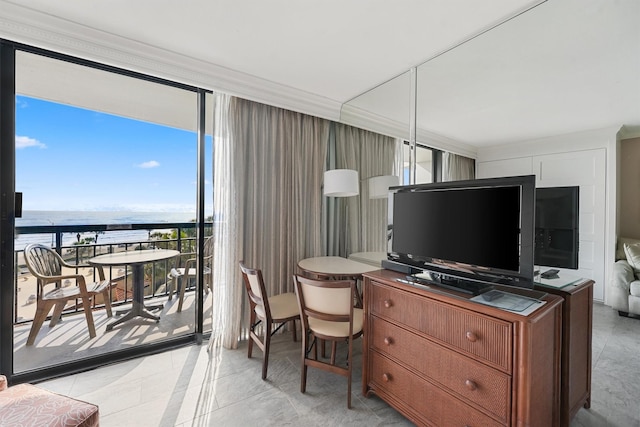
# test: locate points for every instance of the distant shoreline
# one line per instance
(49, 218)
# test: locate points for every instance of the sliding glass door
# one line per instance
(107, 162)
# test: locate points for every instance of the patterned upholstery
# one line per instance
(26, 405)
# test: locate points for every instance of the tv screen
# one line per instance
(556, 233)
(479, 229)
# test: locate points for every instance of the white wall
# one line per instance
(587, 159)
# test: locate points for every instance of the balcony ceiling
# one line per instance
(314, 57)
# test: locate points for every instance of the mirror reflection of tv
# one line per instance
(482, 230)
(556, 239)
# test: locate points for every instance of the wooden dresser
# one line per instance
(577, 319)
(442, 360)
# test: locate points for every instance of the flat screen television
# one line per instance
(557, 237)
(478, 231)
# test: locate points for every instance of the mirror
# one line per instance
(561, 67)
(385, 107)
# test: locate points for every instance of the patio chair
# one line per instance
(267, 310)
(327, 314)
(189, 271)
(46, 265)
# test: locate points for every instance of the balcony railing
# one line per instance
(178, 236)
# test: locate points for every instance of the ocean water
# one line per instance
(36, 218)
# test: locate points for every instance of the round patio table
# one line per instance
(137, 260)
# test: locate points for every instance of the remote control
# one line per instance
(550, 274)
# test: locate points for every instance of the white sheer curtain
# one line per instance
(226, 294)
(456, 168)
(371, 154)
(268, 170)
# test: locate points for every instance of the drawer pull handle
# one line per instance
(388, 340)
(471, 385)
(471, 336)
(386, 378)
(387, 303)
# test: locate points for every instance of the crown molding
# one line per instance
(629, 132)
(362, 118)
(27, 26)
(575, 141)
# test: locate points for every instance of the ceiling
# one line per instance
(316, 57)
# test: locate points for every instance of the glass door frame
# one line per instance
(8, 51)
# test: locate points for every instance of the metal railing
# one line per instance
(178, 236)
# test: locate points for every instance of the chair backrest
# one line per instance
(254, 283)
(208, 252)
(42, 261)
(325, 299)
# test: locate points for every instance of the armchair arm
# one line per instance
(619, 285)
(190, 263)
(97, 267)
(51, 279)
(68, 265)
(622, 275)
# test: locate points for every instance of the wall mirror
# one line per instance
(522, 80)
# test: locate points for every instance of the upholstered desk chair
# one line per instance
(46, 265)
(268, 311)
(189, 271)
(327, 313)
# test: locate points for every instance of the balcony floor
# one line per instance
(69, 339)
(193, 387)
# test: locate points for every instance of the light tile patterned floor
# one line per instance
(190, 387)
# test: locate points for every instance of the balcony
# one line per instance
(69, 339)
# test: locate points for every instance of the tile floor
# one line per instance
(191, 387)
(69, 339)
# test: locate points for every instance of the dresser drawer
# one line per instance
(483, 337)
(486, 387)
(432, 403)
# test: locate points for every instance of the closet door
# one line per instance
(585, 169)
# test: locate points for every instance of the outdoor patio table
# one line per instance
(137, 260)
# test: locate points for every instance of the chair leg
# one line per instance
(315, 347)
(349, 368)
(86, 305)
(107, 301)
(267, 345)
(184, 283)
(334, 349)
(57, 313)
(173, 286)
(42, 310)
(303, 371)
(252, 321)
(295, 338)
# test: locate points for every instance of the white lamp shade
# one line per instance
(341, 183)
(379, 186)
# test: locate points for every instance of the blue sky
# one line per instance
(69, 158)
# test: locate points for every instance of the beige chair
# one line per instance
(269, 311)
(327, 314)
(46, 265)
(189, 271)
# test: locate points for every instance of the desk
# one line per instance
(334, 266)
(137, 260)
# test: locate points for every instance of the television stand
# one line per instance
(443, 360)
(460, 285)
